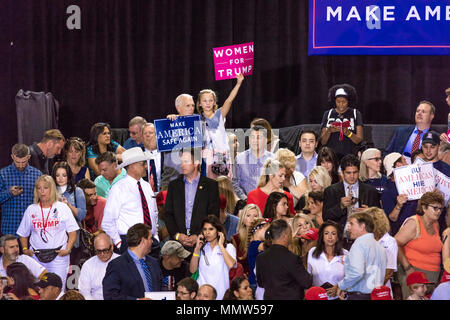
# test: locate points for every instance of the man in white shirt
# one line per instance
(9, 248)
(94, 269)
(131, 201)
(153, 172)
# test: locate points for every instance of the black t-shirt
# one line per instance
(172, 277)
(341, 148)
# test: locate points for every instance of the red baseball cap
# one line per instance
(416, 277)
(311, 234)
(316, 293)
(381, 293)
(161, 198)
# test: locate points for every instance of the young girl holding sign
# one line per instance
(217, 150)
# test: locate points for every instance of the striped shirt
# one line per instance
(14, 207)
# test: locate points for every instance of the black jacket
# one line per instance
(206, 202)
(282, 274)
(367, 195)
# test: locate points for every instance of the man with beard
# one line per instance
(9, 248)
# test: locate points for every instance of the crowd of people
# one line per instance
(224, 222)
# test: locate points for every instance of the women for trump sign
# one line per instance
(232, 60)
(415, 180)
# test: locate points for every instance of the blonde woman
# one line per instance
(370, 169)
(381, 234)
(271, 180)
(304, 236)
(240, 239)
(295, 181)
(48, 229)
(226, 190)
(318, 180)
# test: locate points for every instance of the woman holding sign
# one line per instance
(342, 126)
(419, 242)
(216, 151)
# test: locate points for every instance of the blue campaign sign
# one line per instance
(184, 132)
(379, 27)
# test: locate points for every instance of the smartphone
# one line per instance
(327, 285)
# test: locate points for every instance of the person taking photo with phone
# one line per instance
(213, 257)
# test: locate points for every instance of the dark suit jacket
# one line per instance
(332, 195)
(206, 202)
(122, 280)
(282, 274)
(399, 140)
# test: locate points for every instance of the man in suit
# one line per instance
(349, 194)
(132, 274)
(407, 139)
(280, 272)
(155, 165)
(190, 199)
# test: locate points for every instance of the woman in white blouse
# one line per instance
(326, 261)
(212, 257)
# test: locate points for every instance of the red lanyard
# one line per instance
(44, 222)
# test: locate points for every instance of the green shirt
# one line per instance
(103, 186)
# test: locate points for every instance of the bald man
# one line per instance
(94, 269)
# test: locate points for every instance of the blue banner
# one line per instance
(379, 27)
(184, 132)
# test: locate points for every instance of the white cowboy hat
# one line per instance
(134, 155)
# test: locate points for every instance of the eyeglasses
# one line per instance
(181, 293)
(437, 209)
(376, 159)
(103, 251)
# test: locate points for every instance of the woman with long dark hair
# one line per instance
(326, 261)
(328, 159)
(213, 257)
(21, 282)
(239, 290)
(68, 193)
(277, 206)
(99, 142)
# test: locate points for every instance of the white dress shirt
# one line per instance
(91, 277)
(123, 208)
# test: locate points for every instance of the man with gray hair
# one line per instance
(94, 269)
(185, 106)
(9, 248)
(135, 128)
(16, 188)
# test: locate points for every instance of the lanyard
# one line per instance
(44, 222)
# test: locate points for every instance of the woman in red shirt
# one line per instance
(271, 180)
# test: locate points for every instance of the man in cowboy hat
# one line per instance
(131, 201)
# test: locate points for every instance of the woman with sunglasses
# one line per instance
(75, 155)
(419, 242)
(48, 229)
(370, 169)
(213, 257)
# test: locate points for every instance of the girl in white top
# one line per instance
(212, 257)
(48, 224)
(214, 120)
(326, 261)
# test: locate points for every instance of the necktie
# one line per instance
(416, 142)
(145, 210)
(148, 276)
(152, 179)
(350, 207)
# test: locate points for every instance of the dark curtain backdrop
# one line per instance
(134, 57)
